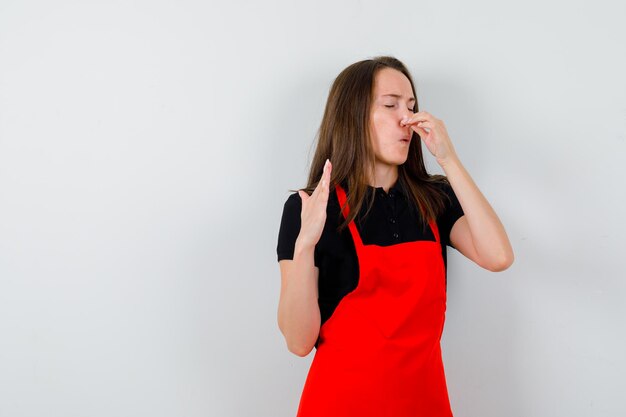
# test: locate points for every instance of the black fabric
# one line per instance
(393, 219)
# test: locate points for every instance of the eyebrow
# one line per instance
(396, 96)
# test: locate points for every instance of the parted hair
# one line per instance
(344, 138)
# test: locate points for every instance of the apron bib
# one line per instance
(379, 353)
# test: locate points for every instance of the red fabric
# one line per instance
(379, 353)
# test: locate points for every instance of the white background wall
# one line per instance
(146, 150)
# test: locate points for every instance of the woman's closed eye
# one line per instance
(393, 105)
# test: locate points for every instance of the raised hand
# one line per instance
(433, 133)
(313, 215)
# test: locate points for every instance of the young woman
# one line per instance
(362, 250)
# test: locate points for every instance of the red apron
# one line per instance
(379, 353)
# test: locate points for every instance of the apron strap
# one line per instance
(345, 210)
(435, 229)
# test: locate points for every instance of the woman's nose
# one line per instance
(406, 114)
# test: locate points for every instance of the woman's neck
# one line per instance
(385, 176)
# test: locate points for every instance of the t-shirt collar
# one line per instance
(396, 188)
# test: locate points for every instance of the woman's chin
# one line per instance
(397, 159)
(401, 160)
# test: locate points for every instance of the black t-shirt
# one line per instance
(393, 219)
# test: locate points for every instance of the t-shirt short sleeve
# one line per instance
(290, 229)
(453, 211)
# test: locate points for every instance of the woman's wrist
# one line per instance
(449, 163)
(303, 246)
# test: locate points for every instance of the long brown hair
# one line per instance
(344, 138)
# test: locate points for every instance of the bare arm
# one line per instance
(479, 234)
(298, 309)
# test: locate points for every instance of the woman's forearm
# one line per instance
(488, 234)
(298, 309)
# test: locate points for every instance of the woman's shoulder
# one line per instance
(292, 210)
(294, 201)
(441, 182)
(451, 212)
